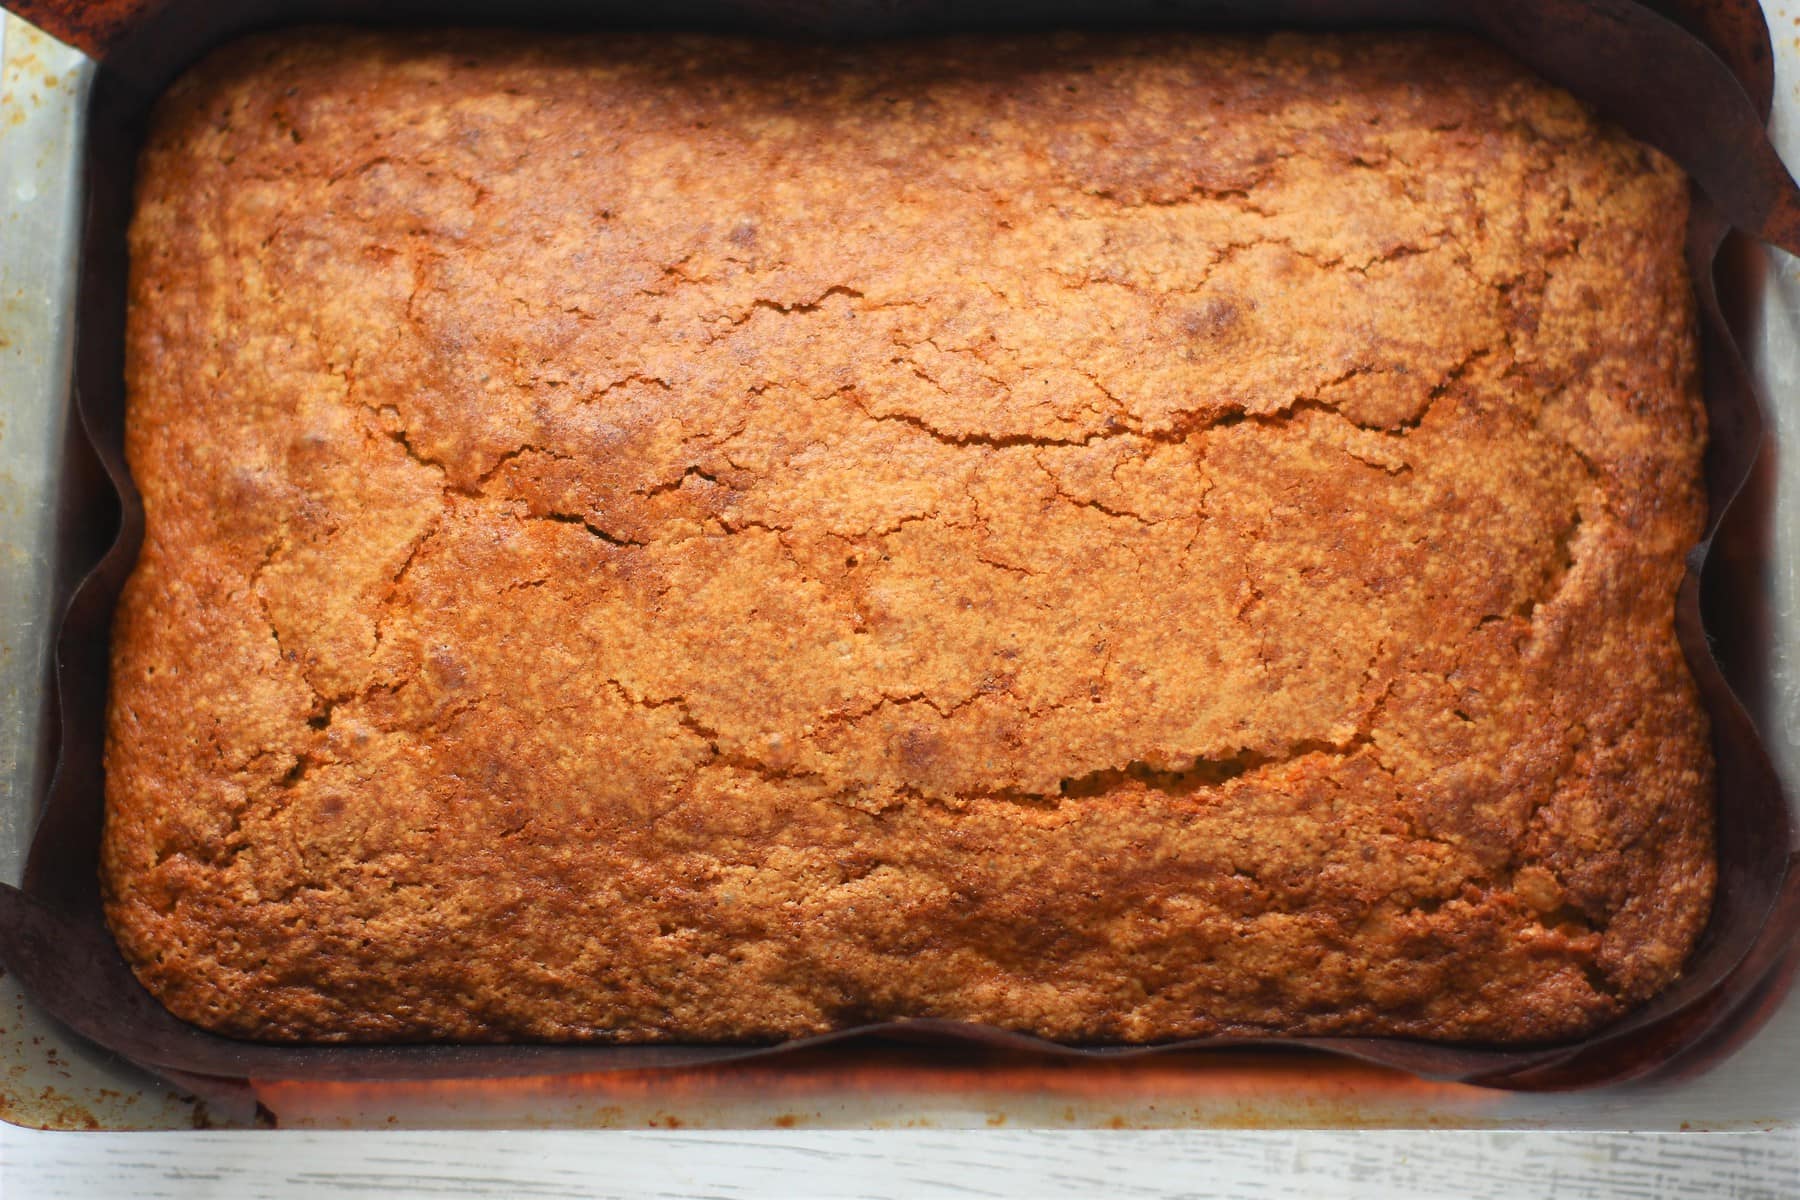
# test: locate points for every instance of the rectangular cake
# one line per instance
(1118, 537)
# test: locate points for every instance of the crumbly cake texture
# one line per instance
(1117, 537)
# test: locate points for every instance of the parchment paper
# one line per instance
(1692, 77)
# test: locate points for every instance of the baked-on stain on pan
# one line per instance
(1661, 71)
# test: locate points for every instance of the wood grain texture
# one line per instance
(1348, 1166)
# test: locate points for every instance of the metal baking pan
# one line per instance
(51, 1078)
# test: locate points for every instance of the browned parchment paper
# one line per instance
(1692, 77)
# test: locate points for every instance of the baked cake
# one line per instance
(1120, 537)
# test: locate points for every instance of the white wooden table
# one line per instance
(1267, 1166)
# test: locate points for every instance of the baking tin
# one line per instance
(961, 1063)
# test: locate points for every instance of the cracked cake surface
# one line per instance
(1120, 537)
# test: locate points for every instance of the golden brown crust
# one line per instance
(1122, 537)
